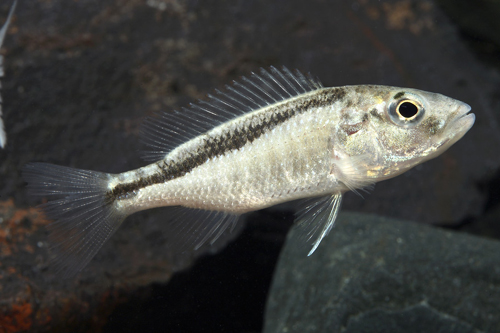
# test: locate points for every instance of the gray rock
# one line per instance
(374, 274)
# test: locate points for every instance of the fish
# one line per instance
(272, 137)
(3, 32)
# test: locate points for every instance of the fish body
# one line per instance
(290, 159)
(273, 138)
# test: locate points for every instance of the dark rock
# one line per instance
(417, 318)
(478, 18)
(374, 274)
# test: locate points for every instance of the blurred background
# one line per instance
(80, 76)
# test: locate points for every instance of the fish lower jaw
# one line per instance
(457, 129)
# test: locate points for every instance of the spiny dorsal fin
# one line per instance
(166, 131)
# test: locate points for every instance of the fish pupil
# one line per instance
(407, 109)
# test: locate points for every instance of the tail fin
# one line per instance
(83, 219)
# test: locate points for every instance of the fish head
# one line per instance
(402, 127)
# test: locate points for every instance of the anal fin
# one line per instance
(190, 229)
(316, 219)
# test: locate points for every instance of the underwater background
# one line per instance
(80, 76)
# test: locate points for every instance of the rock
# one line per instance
(375, 274)
(478, 19)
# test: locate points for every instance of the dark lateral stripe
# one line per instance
(226, 142)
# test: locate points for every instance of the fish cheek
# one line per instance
(432, 126)
(396, 141)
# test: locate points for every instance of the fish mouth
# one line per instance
(456, 129)
(463, 122)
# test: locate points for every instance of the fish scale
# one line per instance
(273, 137)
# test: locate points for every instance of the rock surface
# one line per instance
(81, 75)
(376, 274)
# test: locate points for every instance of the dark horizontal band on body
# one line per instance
(230, 140)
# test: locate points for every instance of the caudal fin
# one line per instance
(83, 219)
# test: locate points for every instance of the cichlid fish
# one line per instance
(3, 31)
(274, 137)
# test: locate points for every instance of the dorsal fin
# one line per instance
(166, 131)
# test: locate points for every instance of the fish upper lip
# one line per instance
(463, 116)
(463, 110)
(462, 122)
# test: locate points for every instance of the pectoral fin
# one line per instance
(352, 172)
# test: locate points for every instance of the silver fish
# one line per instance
(3, 31)
(274, 137)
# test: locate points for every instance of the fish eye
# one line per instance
(406, 111)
